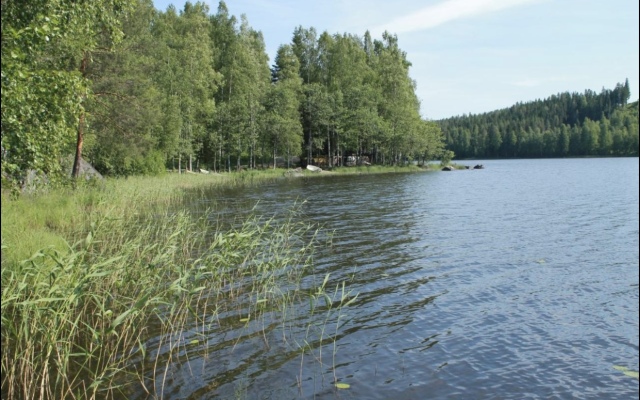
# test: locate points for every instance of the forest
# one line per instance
(135, 90)
(563, 125)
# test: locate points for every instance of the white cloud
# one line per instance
(446, 11)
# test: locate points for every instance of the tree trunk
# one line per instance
(274, 155)
(310, 150)
(80, 139)
(329, 163)
(251, 162)
(79, 142)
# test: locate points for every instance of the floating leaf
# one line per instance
(626, 371)
(194, 341)
(343, 385)
(244, 319)
(261, 301)
(541, 261)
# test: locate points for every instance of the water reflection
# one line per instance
(501, 282)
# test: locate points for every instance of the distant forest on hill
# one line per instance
(563, 125)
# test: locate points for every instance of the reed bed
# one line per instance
(33, 222)
(116, 259)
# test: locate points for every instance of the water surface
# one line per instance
(512, 282)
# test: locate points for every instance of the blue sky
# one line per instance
(474, 56)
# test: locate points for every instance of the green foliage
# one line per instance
(282, 128)
(134, 85)
(559, 126)
(446, 157)
(125, 111)
(39, 106)
(188, 89)
(42, 89)
(359, 99)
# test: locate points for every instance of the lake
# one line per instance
(516, 281)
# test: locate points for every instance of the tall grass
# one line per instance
(34, 222)
(114, 261)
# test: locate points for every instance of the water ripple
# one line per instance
(519, 281)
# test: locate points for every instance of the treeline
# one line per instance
(563, 125)
(135, 91)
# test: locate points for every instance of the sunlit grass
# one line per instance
(34, 222)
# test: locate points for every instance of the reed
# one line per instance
(106, 286)
(34, 222)
(77, 312)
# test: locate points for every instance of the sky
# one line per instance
(473, 56)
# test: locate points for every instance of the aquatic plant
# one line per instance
(120, 283)
(76, 323)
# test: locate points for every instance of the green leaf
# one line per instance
(198, 289)
(343, 385)
(42, 300)
(626, 371)
(98, 274)
(120, 318)
(142, 301)
(109, 261)
(348, 303)
(326, 279)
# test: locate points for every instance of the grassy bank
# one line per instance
(63, 216)
(377, 169)
(86, 272)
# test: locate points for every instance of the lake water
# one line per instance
(517, 281)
